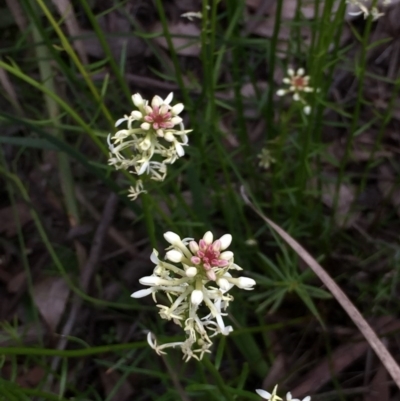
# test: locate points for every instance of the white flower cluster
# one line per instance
(151, 130)
(298, 84)
(274, 397)
(358, 7)
(266, 158)
(202, 278)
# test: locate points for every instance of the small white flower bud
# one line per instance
(225, 241)
(145, 126)
(208, 237)
(145, 144)
(179, 149)
(307, 110)
(174, 256)
(197, 297)
(169, 136)
(137, 115)
(137, 100)
(193, 246)
(245, 282)
(191, 271)
(290, 72)
(300, 71)
(172, 238)
(281, 92)
(149, 280)
(227, 255)
(211, 275)
(224, 284)
(177, 108)
(176, 120)
(156, 101)
(296, 97)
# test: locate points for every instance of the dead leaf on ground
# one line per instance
(279, 366)
(185, 38)
(247, 91)
(124, 42)
(379, 386)
(119, 36)
(16, 282)
(262, 23)
(66, 11)
(110, 380)
(31, 378)
(188, 5)
(340, 359)
(288, 8)
(363, 148)
(50, 296)
(8, 225)
(344, 217)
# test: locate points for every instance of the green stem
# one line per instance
(74, 57)
(168, 38)
(86, 128)
(218, 378)
(106, 48)
(149, 219)
(271, 68)
(361, 68)
(76, 353)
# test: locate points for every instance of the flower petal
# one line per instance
(264, 394)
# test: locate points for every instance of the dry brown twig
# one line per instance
(376, 344)
(67, 12)
(87, 273)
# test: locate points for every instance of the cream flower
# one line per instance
(153, 131)
(274, 397)
(358, 7)
(194, 274)
(266, 158)
(134, 192)
(269, 396)
(289, 398)
(298, 84)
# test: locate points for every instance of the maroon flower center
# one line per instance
(298, 82)
(159, 119)
(208, 255)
